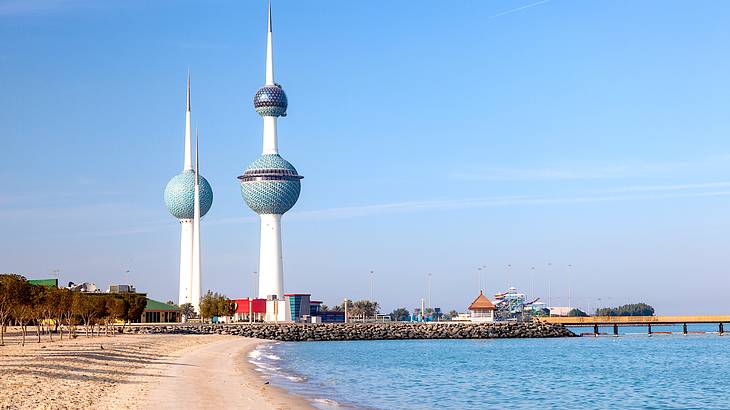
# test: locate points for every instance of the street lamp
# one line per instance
(253, 283)
(429, 291)
(372, 279)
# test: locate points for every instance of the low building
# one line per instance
(158, 312)
(121, 289)
(481, 309)
(248, 310)
(560, 310)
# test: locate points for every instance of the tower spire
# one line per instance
(269, 53)
(188, 161)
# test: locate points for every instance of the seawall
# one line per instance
(294, 332)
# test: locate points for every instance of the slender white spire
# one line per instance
(188, 162)
(269, 53)
(195, 286)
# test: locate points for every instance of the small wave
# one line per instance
(297, 379)
(272, 357)
(327, 402)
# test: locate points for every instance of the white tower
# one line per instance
(270, 185)
(188, 196)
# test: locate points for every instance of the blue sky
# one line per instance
(433, 136)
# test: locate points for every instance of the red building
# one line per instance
(244, 307)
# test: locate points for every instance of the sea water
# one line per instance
(628, 372)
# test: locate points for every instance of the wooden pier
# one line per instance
(648, 321)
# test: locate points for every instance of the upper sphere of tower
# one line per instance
(270, 101)
(180, 195)
(270, 185)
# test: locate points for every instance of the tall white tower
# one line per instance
(270, 185)
(188, 197)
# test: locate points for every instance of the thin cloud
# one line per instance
(673, 187)
(515, 10)
(417, 206)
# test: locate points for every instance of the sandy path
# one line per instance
(218, 375)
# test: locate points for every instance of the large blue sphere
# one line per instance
(180, 195)
(270, 101)
(270, 185)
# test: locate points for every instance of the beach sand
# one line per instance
(137, 372)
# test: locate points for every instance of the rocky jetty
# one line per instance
(294, 332)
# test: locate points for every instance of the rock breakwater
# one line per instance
(295, 332)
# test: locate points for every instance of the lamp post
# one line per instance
(429, 291)
(345, 303)
(569, 289)
(372, 280)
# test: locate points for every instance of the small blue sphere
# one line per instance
(180, 195)
(270, 185)
(270, 101)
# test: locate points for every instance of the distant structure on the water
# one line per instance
(270, 186)
(188, 197)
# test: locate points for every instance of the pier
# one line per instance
(648, 321)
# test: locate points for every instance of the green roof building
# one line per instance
(158, 312)
(51, 283)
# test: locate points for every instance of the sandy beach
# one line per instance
(137, 372)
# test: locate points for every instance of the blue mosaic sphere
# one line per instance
(270, 101)
(180, 195)
(270, 185)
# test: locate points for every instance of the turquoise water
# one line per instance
(634, 372)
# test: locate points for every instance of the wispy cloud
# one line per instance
(417, 206)
(634, 193)
(515, 10)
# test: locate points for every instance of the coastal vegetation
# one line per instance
(400, 314)
(577, 313)
(633, 309)
(215, 304)
(52, 310)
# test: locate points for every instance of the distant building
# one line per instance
(560, 310)
(121, 289)
(247, 310)
(158, 312)
(481, 309)
(83, 287)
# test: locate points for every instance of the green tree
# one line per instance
(187, 310)
(137, 304)
(10, 285)
(208, 305)
(400, 314)
(577, 313)
(451, 315)
(364, 309)
(38, 296)
(22, 309)
(633, 309)
(89, 307)
(117, 309)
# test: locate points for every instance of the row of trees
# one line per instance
(632, 309)
(215, 304)
(360, 309)
(51, 309)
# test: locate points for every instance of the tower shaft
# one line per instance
(186, 260)
(195, 287)
(271, 139)
(271, 266)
